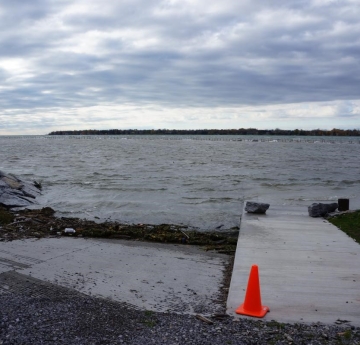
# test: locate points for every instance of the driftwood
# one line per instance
(204, 319)
(21, 221)
(185, 234)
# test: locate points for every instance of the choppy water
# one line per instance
(200, 183)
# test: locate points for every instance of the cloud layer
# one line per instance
(178, 64)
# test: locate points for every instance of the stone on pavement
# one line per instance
(321, 210)
(256, 207)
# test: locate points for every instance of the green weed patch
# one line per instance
(349, 223)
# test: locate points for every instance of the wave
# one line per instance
(284, 184)
(198, 182)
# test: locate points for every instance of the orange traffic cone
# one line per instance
(252, 304)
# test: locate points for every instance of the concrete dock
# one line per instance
(309, 269)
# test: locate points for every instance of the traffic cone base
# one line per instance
(261, 313)
(252, 305)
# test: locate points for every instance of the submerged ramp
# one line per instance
(309, 269)
(148, 276)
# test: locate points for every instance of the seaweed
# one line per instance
(43, 223)
(6, 217)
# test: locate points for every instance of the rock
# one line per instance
(30, 191)
(256, 207)
(16, 193)
(11, 182)
(12, 200)
(321, 210)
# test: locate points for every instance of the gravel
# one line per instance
(36, 312)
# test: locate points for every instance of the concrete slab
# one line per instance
(309, 269)
(152, 276)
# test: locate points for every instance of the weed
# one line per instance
(344, 337)
(149, 323)
(275, 324)
(149, 320)
(349, 223)
(347, 334)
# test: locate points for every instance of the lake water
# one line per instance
(197, 181)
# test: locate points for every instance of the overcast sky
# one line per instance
(90, 64)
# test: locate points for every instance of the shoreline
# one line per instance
(36, 311)
(40, 223)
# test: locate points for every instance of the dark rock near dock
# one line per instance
(321, 210)
(15, 192)
(256, 207)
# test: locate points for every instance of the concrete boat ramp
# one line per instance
(151, 276)
(309, 269)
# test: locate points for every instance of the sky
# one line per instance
(178, 64)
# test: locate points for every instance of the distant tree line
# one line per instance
(240, 131)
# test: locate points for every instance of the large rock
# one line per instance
(16, 193)
(256, 207)
(321, 210)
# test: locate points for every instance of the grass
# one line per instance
(349, 223)
(275, 324)
(344, 337)
(149, 321)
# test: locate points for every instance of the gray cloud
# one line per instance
(74, 54)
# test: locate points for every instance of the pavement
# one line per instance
(151, 276)
(309, 269)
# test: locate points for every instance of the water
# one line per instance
(200, 183)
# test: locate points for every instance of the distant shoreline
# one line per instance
(242, 131)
